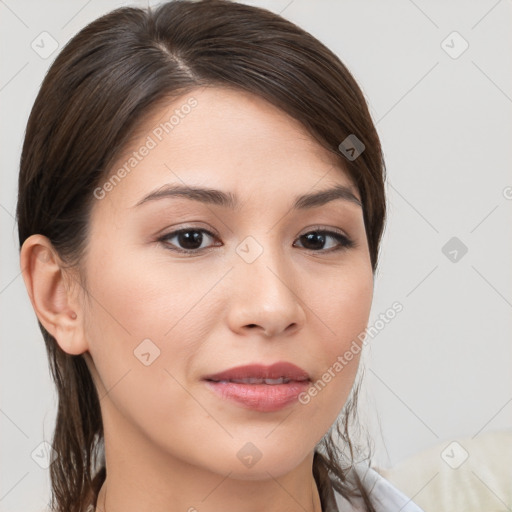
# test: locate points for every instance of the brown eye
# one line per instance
(187, 239)
(316, 241)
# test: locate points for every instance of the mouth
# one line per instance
(257, 380)
(278, 373)
(260, 388)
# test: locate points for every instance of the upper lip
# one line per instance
(274, 371)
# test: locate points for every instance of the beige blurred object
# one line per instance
(466, 474)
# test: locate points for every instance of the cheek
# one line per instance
(342, 305)
(136, 298)
(342, 312)
(143, 332)
(129, 305)
(145, 312)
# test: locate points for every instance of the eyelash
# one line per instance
(344, 242)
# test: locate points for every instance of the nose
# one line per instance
(265, 298)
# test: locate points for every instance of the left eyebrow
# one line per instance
(229, 200)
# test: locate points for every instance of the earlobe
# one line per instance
(51, 293)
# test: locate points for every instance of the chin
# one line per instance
(267, 463)
(260, 472)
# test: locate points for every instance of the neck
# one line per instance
(141, 476)
(268, 496)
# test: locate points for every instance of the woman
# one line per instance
(201, 200)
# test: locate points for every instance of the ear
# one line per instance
(52, 292)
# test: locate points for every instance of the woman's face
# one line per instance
(261, 284)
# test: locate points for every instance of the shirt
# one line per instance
(383, 495)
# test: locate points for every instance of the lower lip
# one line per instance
(260, 397)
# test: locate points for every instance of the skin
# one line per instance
(172, 444)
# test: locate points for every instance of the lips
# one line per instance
(275, 374)
(258, 387)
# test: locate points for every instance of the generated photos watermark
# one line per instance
(344, 359)
(152, 140)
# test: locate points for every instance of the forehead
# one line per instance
(223, 138)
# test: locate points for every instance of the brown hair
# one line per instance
(102, 85)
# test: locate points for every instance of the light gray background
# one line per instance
(441, 369)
